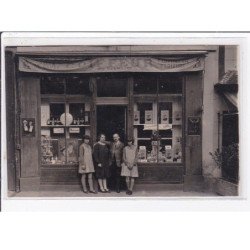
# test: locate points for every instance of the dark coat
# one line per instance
(117, 152)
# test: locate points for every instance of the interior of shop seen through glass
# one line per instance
(147, 106)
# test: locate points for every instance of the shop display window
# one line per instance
(63, 124)
(145, 84)
(158, 122)
(52, 85)
(111, 86)
(78, 86)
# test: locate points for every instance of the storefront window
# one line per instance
(145, 85)
(158, 120)
(111, 86)
(64, 120)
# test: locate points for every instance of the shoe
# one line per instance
(107, 190)
(85, 191)
(93, 192)
(130, 192)
(102, 191)
(118, 190)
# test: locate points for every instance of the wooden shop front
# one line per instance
(156, 99)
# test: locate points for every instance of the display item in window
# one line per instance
(177, 156)
(177, 118)
(86, 165)
(148, 116)
(66, 119)
(129, 165)
(136, 117)
(168, 153)
(142, 155)
(164, 116)
(68, 153)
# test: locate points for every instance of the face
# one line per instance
(116, 137)
(86, 141)
(102, 138)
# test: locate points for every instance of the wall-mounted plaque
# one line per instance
(194, 125)
(136, 117)
(28, 127)
(164, 116)
(148, 116)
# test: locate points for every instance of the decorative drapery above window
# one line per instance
(110, 64)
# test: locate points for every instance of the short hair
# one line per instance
(87, 137)
(116, 134)
(130, 139)
(99, 136)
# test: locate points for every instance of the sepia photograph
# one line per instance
(121, 120)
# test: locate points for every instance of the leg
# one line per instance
(105, 185)
(100, 185)
(90, 180)
(128, 181)
(132, 182)
(83, 180)
(118, 179)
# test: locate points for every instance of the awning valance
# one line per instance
(110, 64)
(228, 88)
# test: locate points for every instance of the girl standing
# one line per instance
(102, 162)
(129, 166)
(86, 166)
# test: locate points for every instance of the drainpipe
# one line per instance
(219, 121)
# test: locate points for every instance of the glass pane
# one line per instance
(170, 85)
(145, 84)
(49, 150)
(111, 86)
(56, 111)
(143, 109)
(144, 150)
(77, 86)
(165, 113)
(52, 85)
(77, 110)
(142, 133)
(68, 153)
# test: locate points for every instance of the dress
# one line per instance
(101, 154)
(130, 157)
(85, 159)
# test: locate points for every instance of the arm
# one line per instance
(136, 157)
(124, 156)
(81, 156)
(96, 153)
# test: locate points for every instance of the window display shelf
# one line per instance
(68, 126)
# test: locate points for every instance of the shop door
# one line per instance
(111, 119)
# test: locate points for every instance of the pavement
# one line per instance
(140, 190)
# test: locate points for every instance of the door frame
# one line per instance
(114, 104)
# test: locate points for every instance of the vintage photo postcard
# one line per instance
(121, 118)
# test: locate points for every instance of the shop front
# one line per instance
(156, 99)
